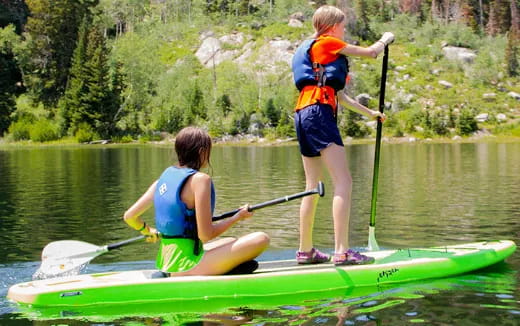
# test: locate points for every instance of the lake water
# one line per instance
(429, 194)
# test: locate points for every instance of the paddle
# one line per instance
(320, 189)
(372, 243)
(69, 257)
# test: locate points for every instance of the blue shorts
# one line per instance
(316, 129)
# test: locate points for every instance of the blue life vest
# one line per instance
(172, 218)
(306, 72)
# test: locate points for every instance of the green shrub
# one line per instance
(150, 136)
(285, 126)
(439, 123)
(489, 64)
(215, 128)
(20, 130)
(466, 123)
(461, 35)
(28, 110)
(126, 139)
(271, 113)
(412, 118)
(398, 132)
(43, 130)
(85, 133)
(351, 126)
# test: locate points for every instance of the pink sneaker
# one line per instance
(352, 257)
(312, 257)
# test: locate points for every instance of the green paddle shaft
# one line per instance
(378, 139)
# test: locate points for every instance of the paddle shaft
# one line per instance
(319, 190)
(124, 242)
(378, 139)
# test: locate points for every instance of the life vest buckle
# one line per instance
(319, 73)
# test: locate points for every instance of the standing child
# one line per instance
(184, 199)
(320, 71)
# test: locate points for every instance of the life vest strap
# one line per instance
(319, 74)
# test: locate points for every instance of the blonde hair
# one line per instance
(325, 18)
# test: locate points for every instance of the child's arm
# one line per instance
(371, 51)
(200, 184)
(132, 215)
(347, 101)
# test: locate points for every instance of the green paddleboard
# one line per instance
(272, 281)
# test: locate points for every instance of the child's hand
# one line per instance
(244, 212)
(376, 115)
(151, 234)
(387, 38)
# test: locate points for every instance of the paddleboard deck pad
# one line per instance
(273, 278)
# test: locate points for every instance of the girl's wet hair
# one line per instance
(193, 147)
(325, 18)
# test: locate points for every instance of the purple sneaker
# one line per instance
(312, 257)
(352, 257)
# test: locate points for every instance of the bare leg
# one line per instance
(221, 259)
(313, 172)
(335, 159)
(217, 243)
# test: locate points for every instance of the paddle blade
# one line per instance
(372, 243)
(321, 189)
(53, 268)
(66, 257)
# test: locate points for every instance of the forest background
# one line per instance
(83, 70)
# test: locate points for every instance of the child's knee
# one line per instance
(261, 238)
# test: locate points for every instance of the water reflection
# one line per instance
(429, 194)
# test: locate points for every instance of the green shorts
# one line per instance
(176, 255)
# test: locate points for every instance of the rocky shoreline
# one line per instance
(252, 140)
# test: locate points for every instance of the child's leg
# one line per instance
(221, 259)
(313, 171)
(217, 243)
(335, 159)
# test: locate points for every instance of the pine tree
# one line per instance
(410, 6)
(10, 76)
(492, 27)
(53, 30)
(466, 14)
(88, 100)
(99, 109)
(71, 105)
(515, 19)
(117, 88)
(224, 105)
(195, 105)
(511, 55)
(271, 113)
(363, 24)
(513, 42)
(499, 18)
(435, 10)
